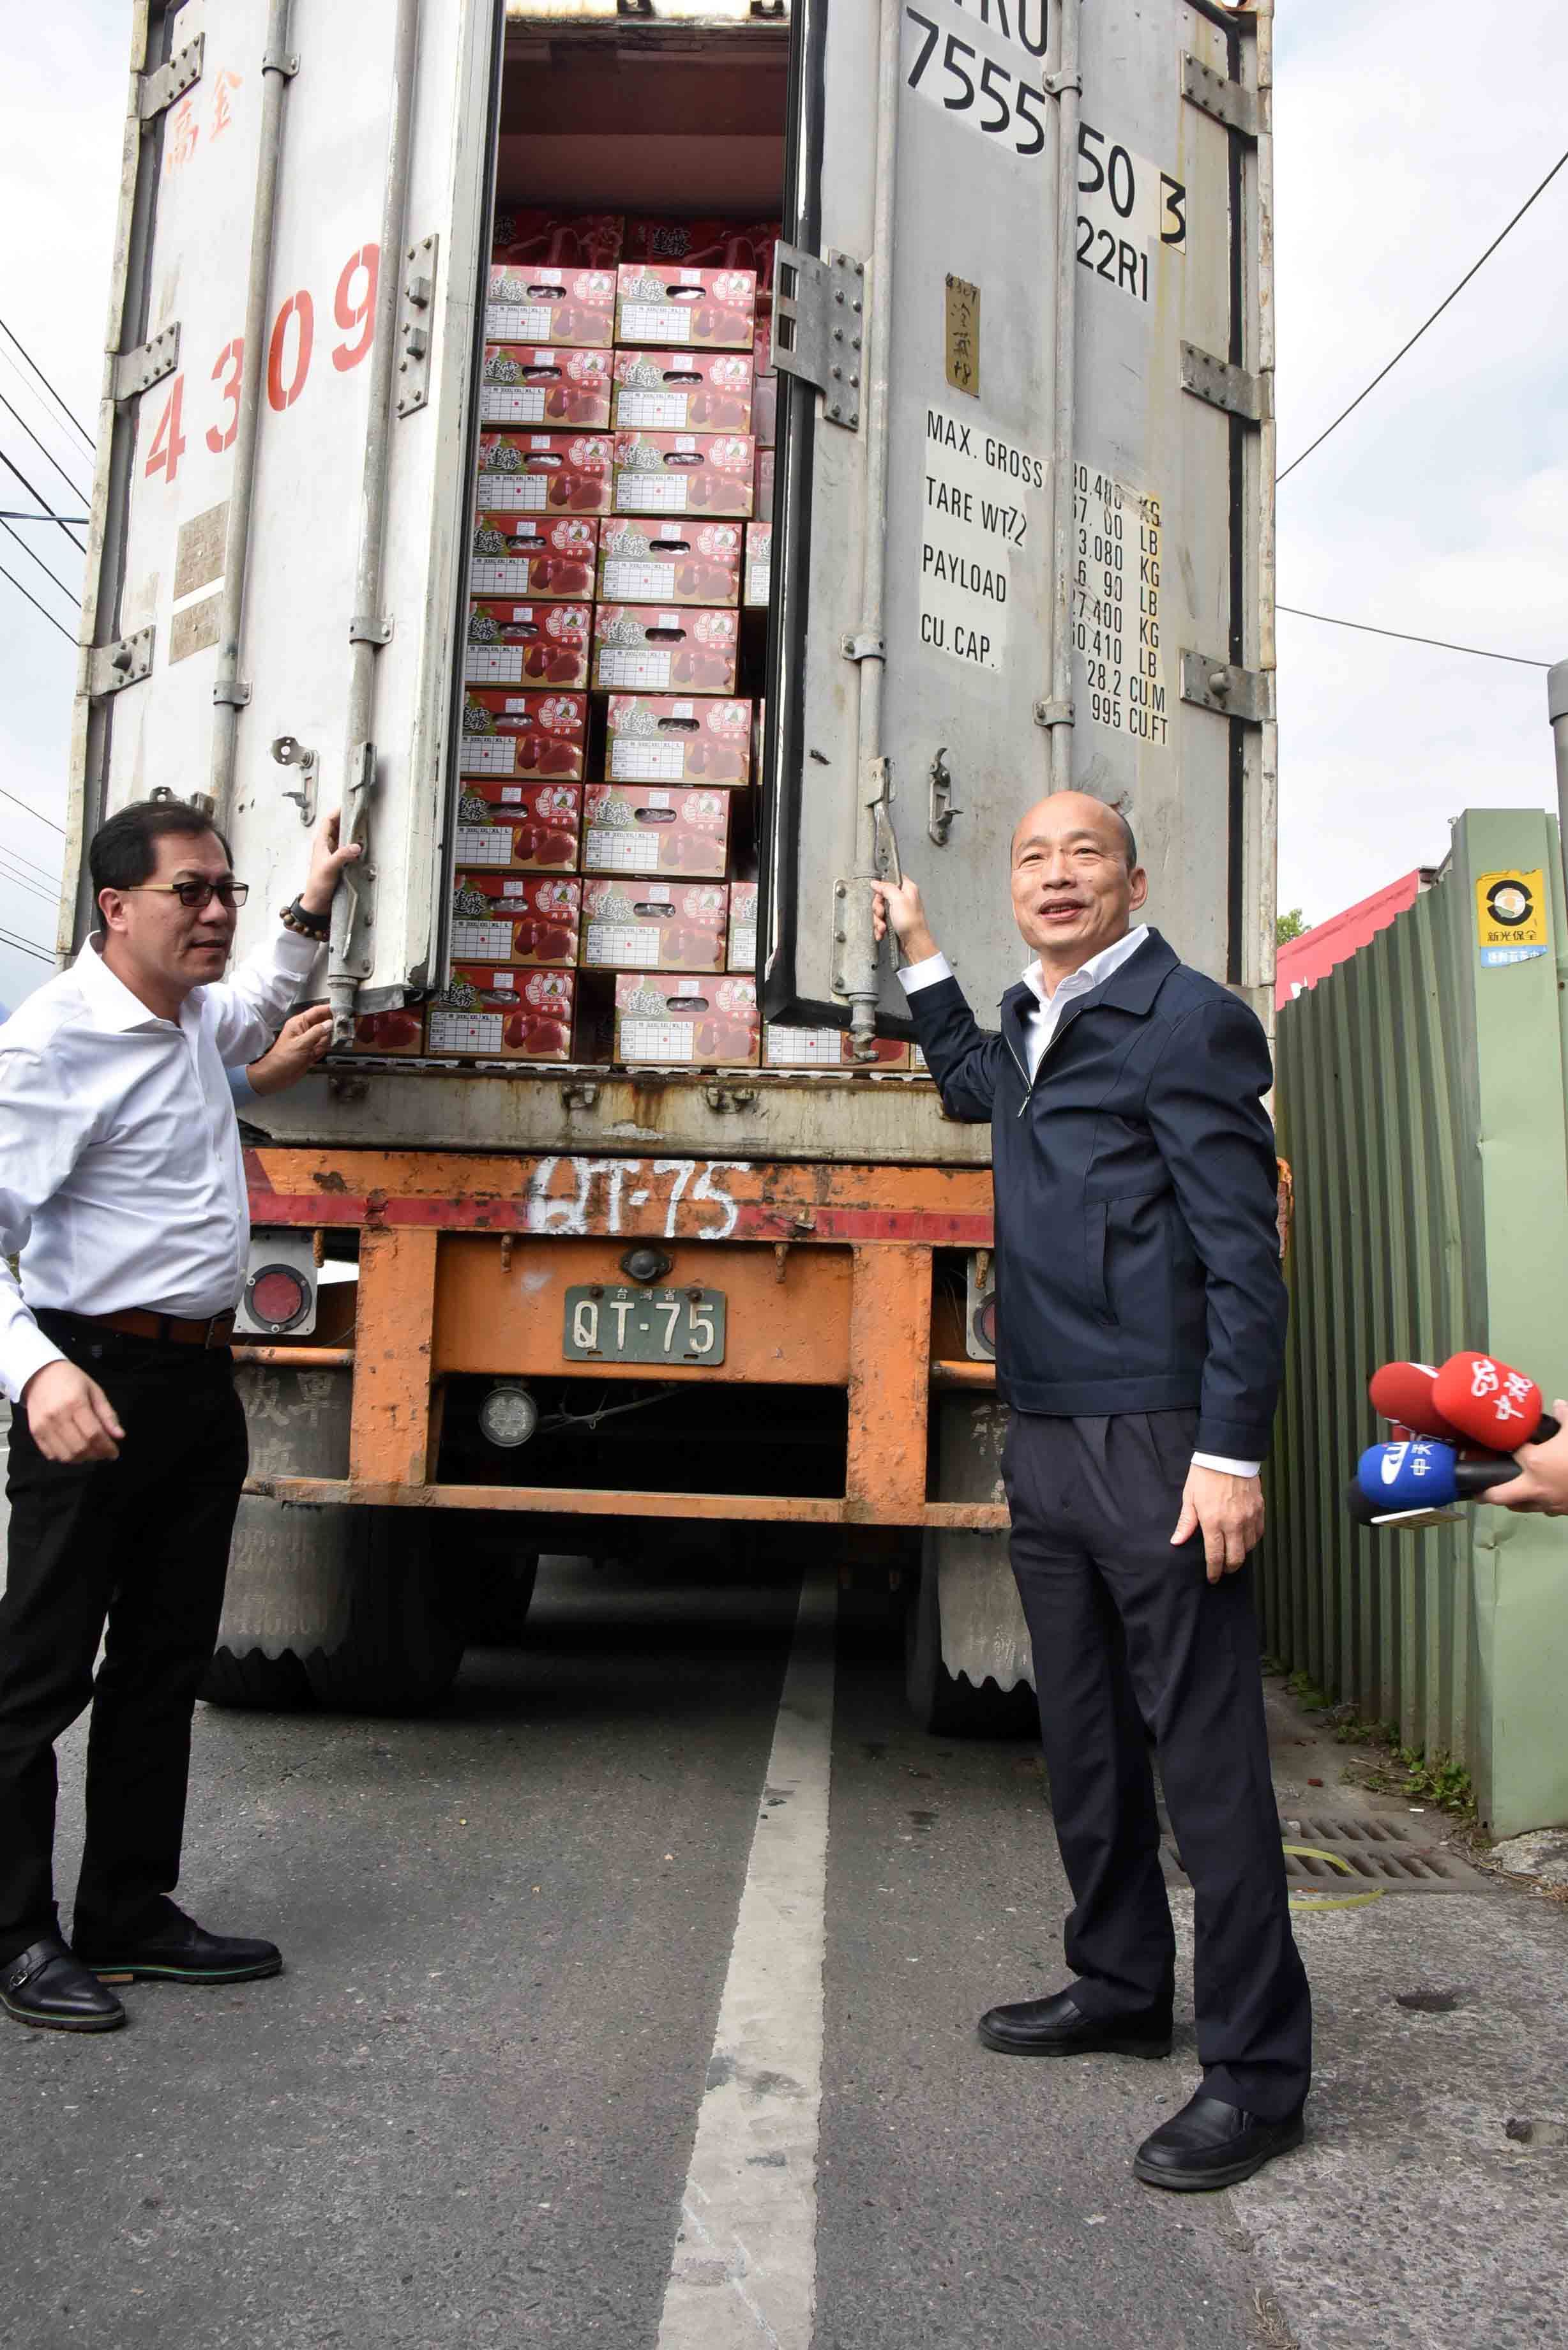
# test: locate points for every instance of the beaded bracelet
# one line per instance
(317, 927)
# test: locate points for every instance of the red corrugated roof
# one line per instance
(1302, 961)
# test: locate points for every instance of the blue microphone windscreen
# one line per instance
(1420, 1474)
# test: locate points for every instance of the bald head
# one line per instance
(1075, 808)
(1075, 881)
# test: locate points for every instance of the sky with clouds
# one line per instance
(1403, 143)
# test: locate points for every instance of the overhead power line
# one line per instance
(75, 490)
(26, 947)
(35, 888)
(1366, 627)
(43, 566)
(43, 872)
(5, 794)
(15, 514)
(49, 387)
(48, 515)
(53, 623)
(1420, 330)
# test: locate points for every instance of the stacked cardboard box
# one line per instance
(603, 903)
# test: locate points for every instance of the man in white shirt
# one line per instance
(1140, 1339)
(122, 1187)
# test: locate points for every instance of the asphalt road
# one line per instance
(465, 2112)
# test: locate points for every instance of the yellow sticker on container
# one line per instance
(1511, 916)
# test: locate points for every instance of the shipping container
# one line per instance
(1020, 535)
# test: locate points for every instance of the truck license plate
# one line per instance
(644, 1326)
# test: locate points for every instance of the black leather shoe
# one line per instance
(1057, 2027)
(46, 1986)
(1210, 2144)
(176, 1950)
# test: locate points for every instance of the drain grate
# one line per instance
(1375, 1849)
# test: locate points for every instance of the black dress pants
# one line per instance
(140, 1543)
(1127, 1632)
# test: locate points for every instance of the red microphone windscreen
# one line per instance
(1488, 1402)
(1403, 1392)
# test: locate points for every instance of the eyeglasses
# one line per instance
(195, 896)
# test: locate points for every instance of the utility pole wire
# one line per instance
(32, 865)
(5, 794)
(15, 514)
(38, 559)
(20, 881)
(49, 387)
(1443, 644)
(41, 955)
(1420, 330)
(48, 514)
(54, 624)
(75, 491)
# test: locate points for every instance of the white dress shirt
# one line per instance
(122, 1177)
(1040, 1026)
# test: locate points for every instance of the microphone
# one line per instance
(1402, 1392)
(1370, 1513)
(1490, 1403)
(1425, 1474)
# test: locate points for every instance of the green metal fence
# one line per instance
(1420, 1102)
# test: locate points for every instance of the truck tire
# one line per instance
(505, 1574)
(948, 1705)
(258, 1683)
(404, 1632)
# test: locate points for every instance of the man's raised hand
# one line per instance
(896, 906)
(328, 859)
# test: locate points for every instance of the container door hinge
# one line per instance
(1052, 713)
(579, 1094)
(1228, 101)
(730, 1100)
(1244, 693)
(1056, 85)
(137, 372)
(365, 630)
(416, 312)
(126, 663)
(863, 648)
(281, 62)
(160, 89)
(233, 691)
(819, 326)
(1250, 397)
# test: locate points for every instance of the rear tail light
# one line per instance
(277, 1297)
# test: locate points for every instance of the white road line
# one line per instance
(745, 2268)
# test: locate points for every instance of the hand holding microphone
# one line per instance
(1479, 1393)
(1473, 1400)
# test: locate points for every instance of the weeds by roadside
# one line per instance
(1395, 1769)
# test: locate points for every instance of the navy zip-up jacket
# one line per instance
(1137, 1252)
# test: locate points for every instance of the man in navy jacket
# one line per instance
(1140, 1333)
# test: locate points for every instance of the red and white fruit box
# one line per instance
(535, 826)
(759, 570)
(784, 1047)
(664, 1018)
(683, 391)
(520, 384)
(499, 1014)
(684, 472)
(646, 562)
(550, 559)
(545, 473)
(672, 304)
(654, 925)
(576, 240)
(710, 243)
(742, 941)
(540, 304)
(644, 649)
(527, 644)
(630, 828)
(390, 1036)
(529, 918)
(524, 734)
(661, 739)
